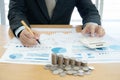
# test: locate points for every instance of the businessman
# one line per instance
(51, 12)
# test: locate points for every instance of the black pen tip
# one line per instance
(38, 41)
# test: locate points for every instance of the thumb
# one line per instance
(92, 31)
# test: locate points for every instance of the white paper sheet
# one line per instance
(60, 43)
(40, 54)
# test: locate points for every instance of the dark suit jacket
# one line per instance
(35, 12)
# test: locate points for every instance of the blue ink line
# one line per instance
(36, 58)
(40, 55)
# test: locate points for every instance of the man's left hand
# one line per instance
(93, 30)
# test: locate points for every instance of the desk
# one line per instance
(106, 71)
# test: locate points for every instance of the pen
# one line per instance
(28, 29)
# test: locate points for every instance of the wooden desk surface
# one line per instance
(106, 71)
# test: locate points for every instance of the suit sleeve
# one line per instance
(88, 11)
(16, 14)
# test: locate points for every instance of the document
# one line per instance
(67, 44)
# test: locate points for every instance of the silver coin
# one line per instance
(60, 60)
(63, 74)
(72, 61)
(84, 63)
(91, 67)
(48, 65)
(85, 69)
(64, 66)
(60, 70)
(54, 59)
(78, 62)
(70, 72)
(55, 72)
(80, 71)
(81, 74)
(68, 68)
(66, 61)
(74, 72)
(53, 68)
(76, 68)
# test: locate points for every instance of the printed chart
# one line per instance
(67, 44)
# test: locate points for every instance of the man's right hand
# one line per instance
(27, 39)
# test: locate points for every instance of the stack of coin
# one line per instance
(54, 59)
(60, 60)
(66, 61)
(78, 62)
(72, 61)
(68, 66)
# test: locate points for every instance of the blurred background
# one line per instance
(108, 9)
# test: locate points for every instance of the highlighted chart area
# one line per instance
(59, 50)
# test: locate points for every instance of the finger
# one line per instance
(27, 41)
(29, 38)
(22, 38)
(27, 44)
(92, 31)
(23, 41)
(28, 34)
(100, 32)
(85, 30)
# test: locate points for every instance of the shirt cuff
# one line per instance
(19, 30)
(92, 23)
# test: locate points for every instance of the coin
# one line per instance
(69, 72)
(85, 69)
(66, 61)
(54, 59)
(60, 60)
(84, 63)
(60, 70)
(76, 68)
(72, 61)
(91, 67)
(63, 74)
(68, 66)
(78, 62)
(55, 72)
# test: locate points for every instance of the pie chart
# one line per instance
(15, 56)
(58, 50)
